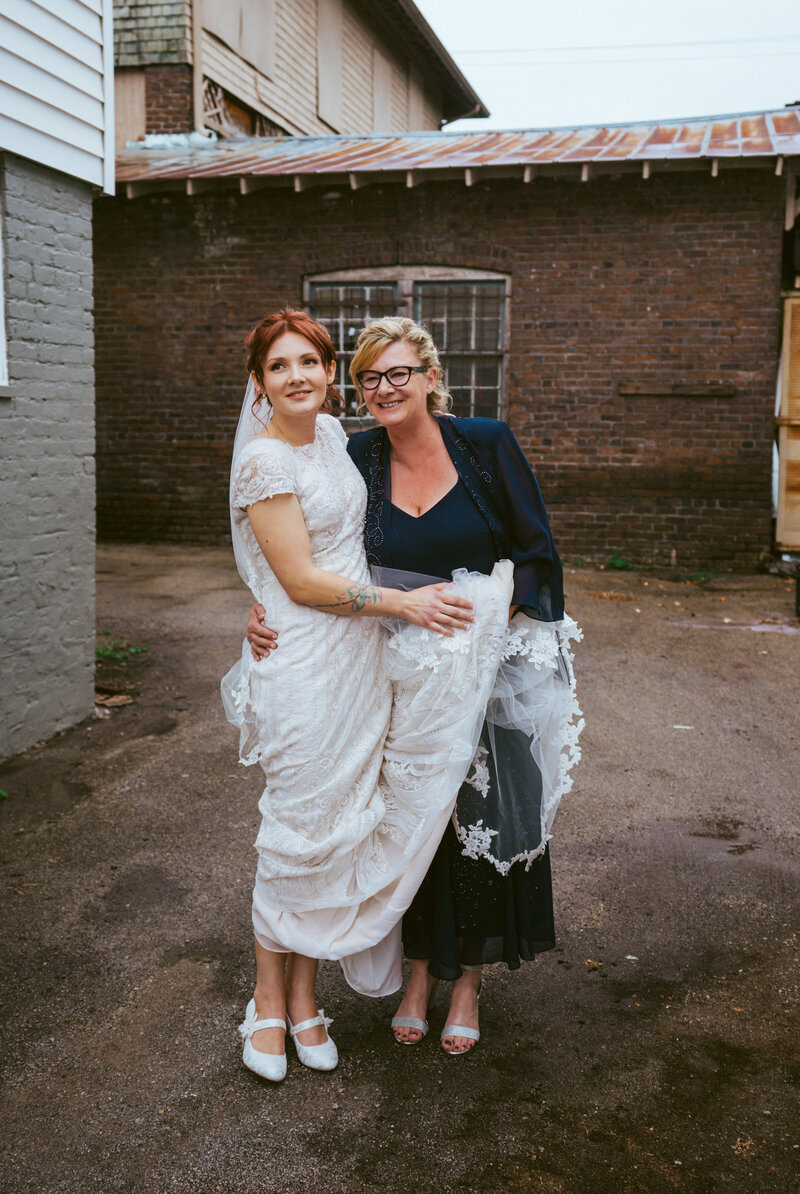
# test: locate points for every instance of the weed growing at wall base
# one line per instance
(117, 650)
(615, 560)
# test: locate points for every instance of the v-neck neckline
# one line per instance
(416, 517)
(388, 482)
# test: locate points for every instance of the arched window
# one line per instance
(464, 309)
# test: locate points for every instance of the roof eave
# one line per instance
(403, 19)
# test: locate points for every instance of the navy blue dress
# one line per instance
(465, 911)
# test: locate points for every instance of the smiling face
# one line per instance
(294, 376)
(392, 405)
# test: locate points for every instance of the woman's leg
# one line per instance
(463, 1008)
(270, 999)
(416, 998)
(301, 1002)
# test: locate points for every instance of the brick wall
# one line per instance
(46, 456)
(168, 99)
(620, 280)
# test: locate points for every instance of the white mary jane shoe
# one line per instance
(316, 1057)
(271, 1066)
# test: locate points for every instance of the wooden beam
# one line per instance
(133, 190)
(197, 65)
(248, 185)
(196, 186)
(791, 212)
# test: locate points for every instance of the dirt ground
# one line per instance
(655, 1049)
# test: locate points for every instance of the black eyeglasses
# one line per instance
(399, 375)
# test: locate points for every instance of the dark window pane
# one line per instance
(344, 308)
(465, 319)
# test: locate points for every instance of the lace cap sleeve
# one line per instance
(264, 472)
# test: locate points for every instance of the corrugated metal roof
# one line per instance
(749, 135)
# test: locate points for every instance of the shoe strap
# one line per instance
(460, 1030)
(320, 1018)
(250, 1026)
(410, 1022)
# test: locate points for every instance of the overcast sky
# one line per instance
(545, 64)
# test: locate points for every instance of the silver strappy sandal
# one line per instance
(421, 1026)
(410, 1022)
(472, 1034)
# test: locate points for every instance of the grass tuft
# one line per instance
(117, 650)
(620, 564)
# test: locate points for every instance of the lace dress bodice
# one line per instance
(331, 493)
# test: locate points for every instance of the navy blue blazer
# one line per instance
(500, 482)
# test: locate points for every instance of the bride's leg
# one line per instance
(416, 998)
(301, 1002)
(463, 1008)
(270, 999)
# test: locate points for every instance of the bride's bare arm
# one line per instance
(280, 529)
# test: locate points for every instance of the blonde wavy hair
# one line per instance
(378, 335)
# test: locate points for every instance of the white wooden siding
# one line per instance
(432, 107)
(356, 75)
(290, 98)
(247, 27)
(57, 88)
(293, 85)
(399, 98)
(329, 62)
(381, 93)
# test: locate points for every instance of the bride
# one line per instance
(365, 721)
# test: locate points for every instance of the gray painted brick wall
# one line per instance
(47, 504)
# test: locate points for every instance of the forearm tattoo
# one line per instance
(356, 596)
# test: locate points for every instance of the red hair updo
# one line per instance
(289, 319)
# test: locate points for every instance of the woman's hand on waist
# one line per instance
(262, 640)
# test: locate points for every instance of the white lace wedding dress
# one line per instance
(365, 732)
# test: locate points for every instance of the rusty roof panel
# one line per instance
(725, 139)
(626, 145)
(753, 134)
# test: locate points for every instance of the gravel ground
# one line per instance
(654, 1050)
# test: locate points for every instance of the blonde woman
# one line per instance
(447, 493)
